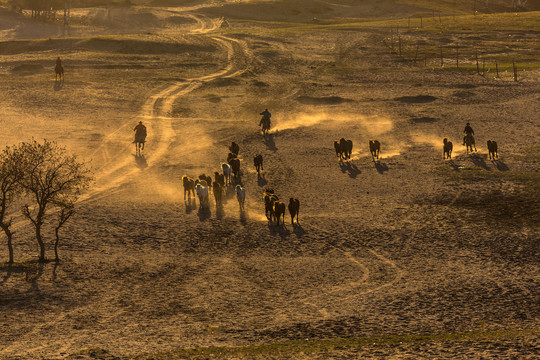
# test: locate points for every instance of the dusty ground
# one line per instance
(410, 245)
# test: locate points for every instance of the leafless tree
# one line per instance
(8, 189)
(48, 175)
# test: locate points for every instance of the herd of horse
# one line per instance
(228, 181)
(470, 143)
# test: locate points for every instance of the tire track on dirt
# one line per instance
(156, 112)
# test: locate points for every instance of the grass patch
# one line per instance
(289, 348)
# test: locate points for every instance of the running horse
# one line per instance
(265, 123)
(140, 137)
(59, 70)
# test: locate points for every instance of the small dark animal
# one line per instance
(235, 166)
(374, 148)
(470, 142)
(279, 211)
(447, 148)
(337, 147)
(294, 209)
(234, 148)
(347, 151)
(219, 179)
(218, 194)
(208, 180)
(258, 163)
(492, 149)
(189, 186)
(269, 199)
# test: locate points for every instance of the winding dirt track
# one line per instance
(119, 169)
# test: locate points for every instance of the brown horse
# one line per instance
(189, 186)
(258, 163)
(447, 148)
(294, 209)
(374, 148)
(59, 70)
(469, 142)
(492, 149)
(279, 211)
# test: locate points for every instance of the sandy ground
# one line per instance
(395, 247)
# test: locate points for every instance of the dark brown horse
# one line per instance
(59, 70)
(447, 148)
(374, 148)
(294, 209)
(492, 149)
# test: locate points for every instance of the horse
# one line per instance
(447, 148)
(208, 180)
(189, 186)
(258, 163)
(337, 147)
(235, 166)
(492, 149)
(469, 142)
(234, 148)
(265, 122)
(140, 138)
(219, 179)
(218, 194)
(269, 199)
(346, 147)
(279, 211)
(374, 148)
(294, 209)
(240, 196)
(59, 70)
(202, 193)
(227, 170)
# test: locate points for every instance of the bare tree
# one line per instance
(48, 175)
(8, 189)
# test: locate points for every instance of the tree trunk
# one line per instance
(56, 258)
(40, 239)
(9, 236)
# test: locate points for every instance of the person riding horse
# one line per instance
(59, 68)
(468, 131)
(265, 120)
(140, 134)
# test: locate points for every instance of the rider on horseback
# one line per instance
(59, 69)
(265, 120)
(468, 131)
(140, 133)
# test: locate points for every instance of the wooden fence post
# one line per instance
(497, 69)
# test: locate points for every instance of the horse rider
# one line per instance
(468, 131)
(58, 62)
(265, 117)
(140, 133)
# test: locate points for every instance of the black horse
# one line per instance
(59, 70)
